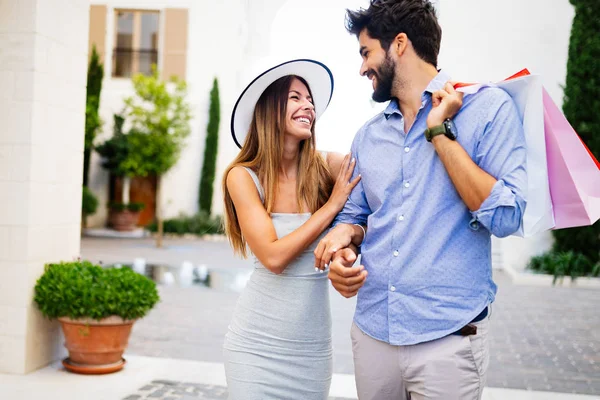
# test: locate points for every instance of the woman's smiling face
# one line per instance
(300, 113)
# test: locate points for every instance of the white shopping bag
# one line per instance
(526, 92)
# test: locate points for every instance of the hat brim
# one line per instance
(316, 74)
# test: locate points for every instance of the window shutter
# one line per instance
(97, 34)
(174, 55)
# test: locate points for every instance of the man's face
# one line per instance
(378, 66)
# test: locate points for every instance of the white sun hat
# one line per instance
(315, 73)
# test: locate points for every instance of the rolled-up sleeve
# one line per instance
(502, 153)
(356, 210)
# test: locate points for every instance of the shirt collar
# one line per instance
(436, 83)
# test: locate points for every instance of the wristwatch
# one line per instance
(447, 128)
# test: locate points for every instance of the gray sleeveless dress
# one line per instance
(278, 345)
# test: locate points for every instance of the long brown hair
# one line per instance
(262, 152)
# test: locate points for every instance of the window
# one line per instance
(136, 42)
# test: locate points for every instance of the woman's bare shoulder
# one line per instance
(334, 161)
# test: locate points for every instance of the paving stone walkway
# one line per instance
(172, 390)
(542, 338)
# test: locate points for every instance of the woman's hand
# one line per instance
(343, 186)
(337, 238)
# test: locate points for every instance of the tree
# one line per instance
(581, 106)
(210, 151)
(116, 153)
(92, 103)
(158, 115)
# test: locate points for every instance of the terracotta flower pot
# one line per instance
(123, 221)
(95, 347)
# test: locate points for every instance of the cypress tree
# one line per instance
(210, 151)
(92, 103)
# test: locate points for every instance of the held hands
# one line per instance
(343, 186)
(345, 278)
(337, 238)
(445, 104)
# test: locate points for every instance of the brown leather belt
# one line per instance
(471, 328)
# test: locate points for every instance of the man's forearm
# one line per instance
(473, 184)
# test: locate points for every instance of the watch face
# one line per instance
(450, 129)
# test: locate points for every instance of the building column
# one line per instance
(43, 67)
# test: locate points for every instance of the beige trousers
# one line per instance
(451, 368)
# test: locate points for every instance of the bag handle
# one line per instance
(525, 72)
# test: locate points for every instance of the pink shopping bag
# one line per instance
(573, 172)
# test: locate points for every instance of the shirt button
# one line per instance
(396, 253)
(393, 288)
(406, 184)
(406, 149)
(401, 218)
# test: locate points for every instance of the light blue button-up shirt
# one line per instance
(428, 256)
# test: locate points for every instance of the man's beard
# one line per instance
(385, 80)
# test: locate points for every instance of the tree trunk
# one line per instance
(159, 219)
(126, 189)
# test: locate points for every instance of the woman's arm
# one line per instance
(335, 161)
(342, 235)
(258, 230)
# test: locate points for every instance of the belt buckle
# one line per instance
(468, 330)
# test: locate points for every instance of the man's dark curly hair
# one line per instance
(385, 19)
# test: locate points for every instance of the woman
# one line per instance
(280, 195)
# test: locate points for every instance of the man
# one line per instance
(432, 193)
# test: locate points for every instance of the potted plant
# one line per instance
(124, 216)
(117, 157)
(96, 307)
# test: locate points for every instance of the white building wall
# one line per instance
(215, 49)
(43, 54)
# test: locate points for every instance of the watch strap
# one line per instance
(430, 133)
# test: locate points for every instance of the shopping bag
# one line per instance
(526, 92)
(573, 172)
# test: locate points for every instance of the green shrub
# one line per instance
(199, 224)
(133, 207)
(89, 202)
(561, 264)
(116, 150)
(80, 289)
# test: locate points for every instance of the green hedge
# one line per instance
(81, 289)
(133, 207)
(561, 264)
(199, 224)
